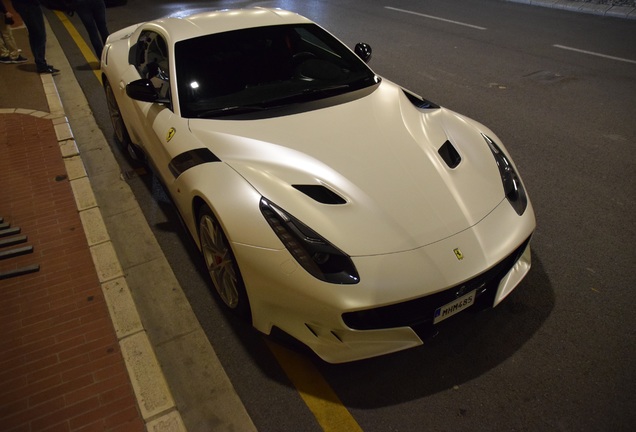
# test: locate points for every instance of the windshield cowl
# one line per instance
(292, 100)
(289, 106)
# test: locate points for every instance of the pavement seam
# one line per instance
(154, 399)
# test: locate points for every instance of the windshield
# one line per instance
(264, 67)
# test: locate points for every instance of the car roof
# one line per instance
(188, 25)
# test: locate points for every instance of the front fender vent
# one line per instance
(450, 155)
(189, 159)
(321, 194)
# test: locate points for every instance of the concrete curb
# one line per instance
(158, 330)
(154, 399)
(627, 12)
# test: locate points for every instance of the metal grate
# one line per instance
(8, 238)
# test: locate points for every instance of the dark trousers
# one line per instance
(93, 16)
(33, 19)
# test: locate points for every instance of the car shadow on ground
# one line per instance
(467, 346)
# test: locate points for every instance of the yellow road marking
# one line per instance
(80, 42)
(317, 394)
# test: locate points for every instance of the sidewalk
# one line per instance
(589, 7)
(61, 365)
(97, 335)
(67, 361)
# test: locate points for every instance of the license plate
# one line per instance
(456, 306)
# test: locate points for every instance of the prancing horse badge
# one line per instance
(170, 134)
(458, 254)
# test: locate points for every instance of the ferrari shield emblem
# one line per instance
(170, 134)
(458, 254)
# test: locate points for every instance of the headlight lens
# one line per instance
(513, 188)
(315, 254)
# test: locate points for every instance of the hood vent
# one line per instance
(321, 194)
(450, 155)
(420, 102)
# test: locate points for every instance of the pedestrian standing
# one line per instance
(31, 14)
(9, 51)
(93, 16)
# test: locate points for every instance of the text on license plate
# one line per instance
(456, 306)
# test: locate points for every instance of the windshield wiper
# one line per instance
(304, 95)
(230, 110)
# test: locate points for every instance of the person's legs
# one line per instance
(99, 12)
(86, 15)
(34, 22)
(8, 47)
(93, 16)
(4, 48)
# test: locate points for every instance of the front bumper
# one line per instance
(397, 295)
(419, 312)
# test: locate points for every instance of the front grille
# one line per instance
(419, 312)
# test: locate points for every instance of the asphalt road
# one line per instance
(559, 89)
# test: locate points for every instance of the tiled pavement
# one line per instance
(73, 354)
(61, 367)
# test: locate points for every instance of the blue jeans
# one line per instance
(31, 14)
(93, 16)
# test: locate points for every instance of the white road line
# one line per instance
(436, 18)
(595, 54)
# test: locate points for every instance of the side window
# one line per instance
(152, 61)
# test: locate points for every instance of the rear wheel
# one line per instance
(221, 265)
(119, 127)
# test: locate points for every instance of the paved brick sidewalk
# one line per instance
(74, 354)
(61, 367)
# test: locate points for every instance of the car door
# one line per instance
(157, 121)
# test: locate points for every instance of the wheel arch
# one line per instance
(232, 200)
(197, 204)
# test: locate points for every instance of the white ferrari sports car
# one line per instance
(328, 202)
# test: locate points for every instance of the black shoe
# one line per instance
(49, 70)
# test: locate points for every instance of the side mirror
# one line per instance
(143, 90)
(363, 51)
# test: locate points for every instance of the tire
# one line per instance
(119, 127)
(221, 265)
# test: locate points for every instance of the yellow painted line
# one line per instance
(317, 394)
(86, 51)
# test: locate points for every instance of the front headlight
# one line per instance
(513, 188)
(315, 254)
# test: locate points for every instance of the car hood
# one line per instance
(380, 154)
